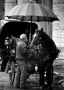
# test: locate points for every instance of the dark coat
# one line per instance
(21, 50)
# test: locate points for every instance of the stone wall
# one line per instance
(58, 1)
(20, 1)
(9, 4)
(2, 9)
(58, 26)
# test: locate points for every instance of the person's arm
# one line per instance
(24, 48)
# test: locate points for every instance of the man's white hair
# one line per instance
(23, 37)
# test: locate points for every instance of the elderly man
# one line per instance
(21, 58)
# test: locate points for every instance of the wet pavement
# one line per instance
(5, 85)
(58, 81)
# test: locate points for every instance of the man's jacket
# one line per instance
(21, 50)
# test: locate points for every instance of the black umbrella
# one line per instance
(32, 11)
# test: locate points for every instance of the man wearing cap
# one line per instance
(21, 58)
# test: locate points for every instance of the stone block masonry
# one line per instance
(2, 9)
(58, 26)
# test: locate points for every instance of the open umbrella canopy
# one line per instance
(31, 11)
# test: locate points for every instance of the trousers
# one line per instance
(21, 73)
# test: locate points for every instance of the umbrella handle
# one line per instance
(30, 31)
(30, 37)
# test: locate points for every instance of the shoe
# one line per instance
(40, 87)
(23, 87)
(16, 86)
(11, 83)
(10, 71)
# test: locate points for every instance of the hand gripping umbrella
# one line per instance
(31, 11)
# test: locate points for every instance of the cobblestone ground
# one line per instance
(58, 81)
(5, 85)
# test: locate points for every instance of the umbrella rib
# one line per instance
(21, 9)
(32, 12)
(44, 9)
